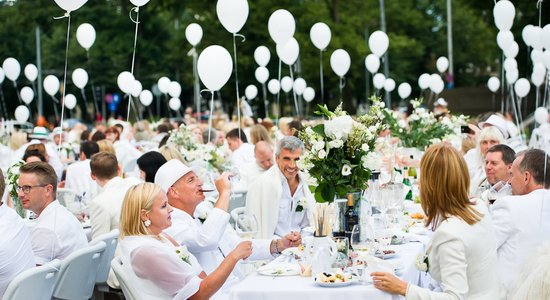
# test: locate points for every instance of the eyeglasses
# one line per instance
(27, 188)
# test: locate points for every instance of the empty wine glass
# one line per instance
(362, 239)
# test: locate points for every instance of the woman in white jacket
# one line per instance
(462, 253)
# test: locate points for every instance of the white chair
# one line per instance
(78, 272)
(130, 292)
(237, 200)
(101, 286)
(235, 214)
(35, 283)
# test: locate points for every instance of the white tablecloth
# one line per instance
(259, 287)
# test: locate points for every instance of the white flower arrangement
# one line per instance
(12, 183)
(184, 140)
(422, 263)
(183, 254)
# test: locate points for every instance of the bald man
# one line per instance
(263, 153)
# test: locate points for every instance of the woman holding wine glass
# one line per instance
(462, 252)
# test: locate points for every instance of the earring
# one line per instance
(147, 223)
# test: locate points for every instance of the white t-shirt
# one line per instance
(55, 234)
(15, 247)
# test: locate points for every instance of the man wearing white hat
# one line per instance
(214, 238)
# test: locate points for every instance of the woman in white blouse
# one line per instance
(462, 252)
(159, 268)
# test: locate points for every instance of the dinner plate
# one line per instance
(334, 284)
(385, 256)
(278, 271)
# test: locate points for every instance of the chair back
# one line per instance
(111, 241)
(130, 292)
(35, 283)
(235, 214)
(237, 200)
(77, 273)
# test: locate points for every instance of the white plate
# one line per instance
(279, 272)
(386, 256)
(334, 284)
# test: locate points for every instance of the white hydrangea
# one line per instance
(339, 128)
(335, 144)
(371, 161)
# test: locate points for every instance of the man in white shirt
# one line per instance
(263, 153)
(210, 241)
(280, 197)
(78, 174)
(522, 221)
(498, 163)
(55, 233)
(15, 249)
(242, 151)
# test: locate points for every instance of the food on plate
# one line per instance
(332, 278)
(418, 216)
(388, 252)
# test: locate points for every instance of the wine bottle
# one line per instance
(351, 216)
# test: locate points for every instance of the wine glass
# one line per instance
(363, 244)
(499, 189)
(246, 226)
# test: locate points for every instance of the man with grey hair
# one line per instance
(280, 198)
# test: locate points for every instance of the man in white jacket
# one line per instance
(522, 221)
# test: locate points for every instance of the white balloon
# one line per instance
(251, 92)
(539, 69)
(215, 66)
(505, 39)
(536, 56)
(31, 72)
(51, 85)
(288, 52)
(545, 59)
(372, 63)
(164, 84)
(320, 35)
(522, 87)
(537, 79)
(85, 35)
(139, 3)
(136, 88)
(504, 13)
(70, 101)
(545, 37)
(262, 74)
(286, 84)
(70, 5)
(537, 42)
(493, 84)
(274, 86)
(174, 104)
(2, 75)
(299, 86)
(125, 81)
(379, 43)
(541, 115)
(27, 94)
(512, 76)
(281, 26)
(309, 94)
(340, 61)
(80, 78)
(378, 80)
(442, 64)
(424, 81)
(389, 85)
(512, 50)
(174, 90)
(146, 97)
(22, 113)
(510, 64)
(232, 14)
(11, 68)
(404, 90)
(527, 34)
(262, 56)
(436, 83)
(193, 34)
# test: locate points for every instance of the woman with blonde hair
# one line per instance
(106, 146)
(170, 152)
(259, 133)
(462, 253)
(156, 264)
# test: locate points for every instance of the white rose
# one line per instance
(346, 170)
(335, 144)
(309, 131)
(319, 145)
(402, 123)
(322, 154)
(365, 147)
(414, 117)
(339, 127)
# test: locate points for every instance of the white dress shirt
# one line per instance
(243, 155)
(15, 247)
(522, 223)
(55, 234)
(105, 207)
(289, 218)
(78, 178)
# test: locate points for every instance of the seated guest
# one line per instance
(242, 151)
(15, 249)
(259, 133)
(498, 163)
(38, 139)
(155, 264)
(33, 155)
(55, 233)
(105, 207)
(212, 240)
(263, 153)
(462, 256)
(522, 221)
(170, 152)
(78, 175)
(275, 196)
(148, 165)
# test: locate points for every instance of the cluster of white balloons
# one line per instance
(434, 82)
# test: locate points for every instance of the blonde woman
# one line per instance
(170, 152)
(259, 133)
(462, 252)
(159, 268)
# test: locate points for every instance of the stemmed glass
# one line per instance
(363, 244)
(499, 189)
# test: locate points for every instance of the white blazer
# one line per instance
(522, 224)
(463, 260)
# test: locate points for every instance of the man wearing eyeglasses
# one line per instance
(55, 233)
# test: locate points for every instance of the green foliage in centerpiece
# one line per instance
(340, 152)
(194, 150)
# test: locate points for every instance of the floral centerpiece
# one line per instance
(422, 128)
(12, 181)
(340, 152)
(184, 140)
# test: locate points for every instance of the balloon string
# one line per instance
(64, 80)
(237, 84)
(96, 106)
(321, 75)
(342, 84)
(4, 110)
(66, 15)
(294, 92)
(539, 6)
(241, 36)
(17, 92)
(197, 86)
(278, 96)
(502, 103)
(136, 21)
(211, 113)
(266, 103)
(547, 83)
